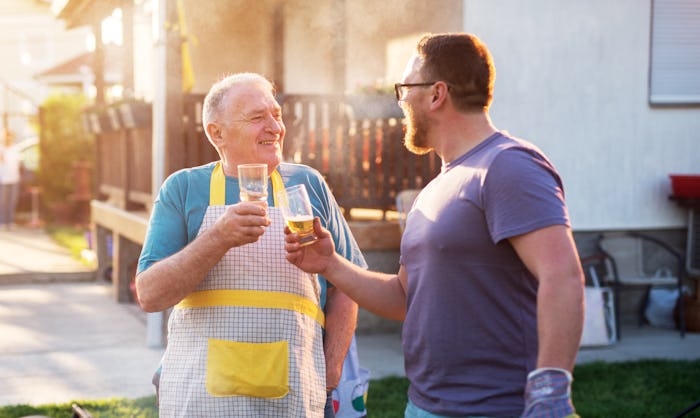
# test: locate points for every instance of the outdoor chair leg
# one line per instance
(641, 311)
(688, 410)
(681, 311)
(617, 310)
(79, 412)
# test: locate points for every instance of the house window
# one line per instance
(674, 73)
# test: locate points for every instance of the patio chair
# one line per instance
(624, 268)
(404, 202)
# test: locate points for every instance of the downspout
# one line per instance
(154, 321)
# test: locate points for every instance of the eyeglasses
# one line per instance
(401, 88)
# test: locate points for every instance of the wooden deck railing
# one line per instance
(363, 160)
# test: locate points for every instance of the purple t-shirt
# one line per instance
(470, 333)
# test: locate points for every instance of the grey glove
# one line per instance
(548, 394)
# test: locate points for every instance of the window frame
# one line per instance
(674, 67)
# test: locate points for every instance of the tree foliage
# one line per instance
(63, 143)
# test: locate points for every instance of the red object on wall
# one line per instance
(685, 185)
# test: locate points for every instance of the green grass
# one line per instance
(70, 237)
(131, 408)
(640, 389)
(652, 388)
(386, 398)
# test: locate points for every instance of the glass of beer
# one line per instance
(295, 205)
(252, 180)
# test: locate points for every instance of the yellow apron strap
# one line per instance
(253, 299)
(277, 185)
(217, 186)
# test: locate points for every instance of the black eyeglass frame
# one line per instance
(398, 86)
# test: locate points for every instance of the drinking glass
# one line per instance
(296, 208)
(252, 179)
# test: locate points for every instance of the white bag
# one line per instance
(599, 316)
(595, 326)
(660, 306)
(350, 397)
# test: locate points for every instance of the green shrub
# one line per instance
(63, 142)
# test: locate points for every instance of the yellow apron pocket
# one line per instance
(259, 370)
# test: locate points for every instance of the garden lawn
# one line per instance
(649, 388)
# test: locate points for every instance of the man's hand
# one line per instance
(242, 223)
(548, 394)
(312, 258)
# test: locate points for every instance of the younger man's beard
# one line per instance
(416, 137)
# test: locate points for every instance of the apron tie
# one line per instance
(253, 299)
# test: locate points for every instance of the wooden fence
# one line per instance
(363, 160)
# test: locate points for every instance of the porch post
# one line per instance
(128, 47)
(98, 64)
(167, 122)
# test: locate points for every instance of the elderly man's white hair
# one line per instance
(214, 100)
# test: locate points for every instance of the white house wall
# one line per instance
(572, 77)
(372, 29)
(382, 35)
(307, 55)
(228, 37)
(237, 35)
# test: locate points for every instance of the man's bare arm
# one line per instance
(380, 293)
(341, 320)
(551, 256)
(168, 281)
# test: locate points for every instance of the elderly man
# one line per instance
(248, 335)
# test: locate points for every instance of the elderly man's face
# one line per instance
(251, 127)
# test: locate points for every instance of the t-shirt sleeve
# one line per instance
(167, 227)
(522, 193)
(345, 243)
(333, 220)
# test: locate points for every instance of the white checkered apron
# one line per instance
(260, 267)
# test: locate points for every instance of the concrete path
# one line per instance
(30, 255)
(71, 341)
